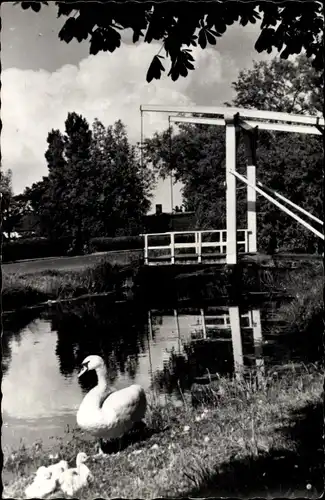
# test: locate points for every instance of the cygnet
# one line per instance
(57, 469)
(43, 484)
(72, 480)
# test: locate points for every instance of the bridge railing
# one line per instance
(205, 244)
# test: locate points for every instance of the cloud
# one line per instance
(106, 86)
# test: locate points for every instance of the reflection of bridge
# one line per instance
(229, 243)
(229, 326)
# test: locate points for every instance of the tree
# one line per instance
(5, 189)
(289, 27)
(278, 85)
(61, 198)
(289, 163)
(6, 198)
(79, 178)
(13, 208)
(196, 157)
(292, 164)
(95, 186)
(124, 184)
(35, 196)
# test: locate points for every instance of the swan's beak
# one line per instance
(82, 371)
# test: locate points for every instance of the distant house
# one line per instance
(161, 222)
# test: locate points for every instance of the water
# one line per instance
(164, 350)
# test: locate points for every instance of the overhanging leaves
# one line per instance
(300, 25)
(155, 69)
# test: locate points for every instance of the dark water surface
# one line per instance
(163, 350)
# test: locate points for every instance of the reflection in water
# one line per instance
(91, 328)
(35, 395)
(224, 341)
(12, 328)
(219, 340)
(164, 350)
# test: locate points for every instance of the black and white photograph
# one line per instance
(162, 246)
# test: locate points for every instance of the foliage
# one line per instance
(39, 247)
(96, 185)
(296, 160)
(13, 208)
(120, 243)
(288, 86)
(288, 27)
(22, 290)
(32, 248)
(291, 164)
(122, 184)
(6, 197)
(5, 188)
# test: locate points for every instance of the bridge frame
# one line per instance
(248, 121)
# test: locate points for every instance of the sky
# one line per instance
(44, 78)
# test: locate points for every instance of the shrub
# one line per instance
(105, 244)
(33, 248)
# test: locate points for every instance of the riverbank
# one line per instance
(187, 451)
(26, 288)
(21, 289)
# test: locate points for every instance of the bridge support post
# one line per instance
(145, 248)
(250, 140)
(237, 341)
(231, 212)
(258, 339)
(251, 210)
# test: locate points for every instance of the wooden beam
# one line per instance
(231, 206)
(251, 209)
(279, 205)
(178, 330)
(172, 247)
(283, 198)
(250, 141)
(145, 248)
(204, 329)
(150, 326)
(236, 339)
(276, 127)
(244, 113)
(258, 341)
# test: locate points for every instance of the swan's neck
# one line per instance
(79, 463)
(102, 383)
(94, 399)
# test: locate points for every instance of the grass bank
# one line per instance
(187, 451)
(26, 289)
(307, 288)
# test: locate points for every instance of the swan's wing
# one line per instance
(104, 396)
(126, 403)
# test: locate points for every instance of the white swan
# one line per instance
(72, 480)
(106, 414)
(43, 484)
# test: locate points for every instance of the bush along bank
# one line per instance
(243, 429)
(40, 247)
(33, 248)
(24, 290)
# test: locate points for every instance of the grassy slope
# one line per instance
(20, 289)
(241, 423)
